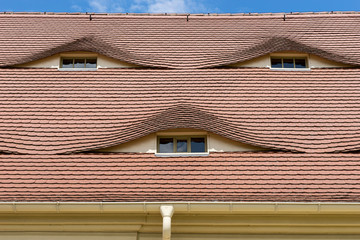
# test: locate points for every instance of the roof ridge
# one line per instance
(181, 14)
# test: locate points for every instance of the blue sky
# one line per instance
(179, 6)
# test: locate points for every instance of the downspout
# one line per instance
(167, 212)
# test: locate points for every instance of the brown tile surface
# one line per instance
(173, 42)
(143, 177)
(46, 111)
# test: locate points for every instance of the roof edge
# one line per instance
(271, 14)
(183, 207)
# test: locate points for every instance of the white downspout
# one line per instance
(166, 212)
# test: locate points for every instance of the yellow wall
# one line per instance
(191, 221)
(184, 226)
(67, 236)
(132, 236)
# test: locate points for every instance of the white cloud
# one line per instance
(150, 6)
(167, 6)
(105, 6)
(76, 8)
(117, 8)
(99, 5)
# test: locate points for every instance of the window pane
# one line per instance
(181, 145)
(67, 63)
(197, 144)
(276, 63)
(79, 63)
(91, 63)
(166, 145)
(300, 63)
(288, 62)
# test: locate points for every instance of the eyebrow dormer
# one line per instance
(290, 60)
(183, 142)
(77, 60)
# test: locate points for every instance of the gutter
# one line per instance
(183, 207)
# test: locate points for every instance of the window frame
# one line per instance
(73, 62)
(290, 57)
(182, 137)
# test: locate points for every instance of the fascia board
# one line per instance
(183, 207)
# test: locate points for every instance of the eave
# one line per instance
(144, 219)
(183, 207)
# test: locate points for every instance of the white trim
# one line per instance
(78, 69)
(291, 69)
(189, 154)
(183, 207)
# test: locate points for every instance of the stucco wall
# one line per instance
(54, 61)
(184, 226)
(215, 143)
(67, 236)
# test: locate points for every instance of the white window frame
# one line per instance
(182, 135)
(78, 54)
(77, 69)
(290, 55)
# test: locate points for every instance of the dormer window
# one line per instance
(289, 62)
(79, 63)
(182, 144)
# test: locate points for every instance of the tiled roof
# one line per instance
(143, 177)
(46, 111)
(174, 42)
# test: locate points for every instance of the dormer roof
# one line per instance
(46, 111)
(179, 41)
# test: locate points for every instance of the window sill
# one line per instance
(77, 69)
(203, 154)
(291, 69)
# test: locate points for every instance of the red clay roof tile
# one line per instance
(45, 111)
(144, 177)
(173, 42)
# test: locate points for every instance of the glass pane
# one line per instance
(166, 145)
(79, 63)
(276, 63)
(67, 63)
(300, 63)
(197, 144)
(181, 145)
(288, 62)
(91, 63)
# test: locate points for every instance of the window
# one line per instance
(181, 144)
(79, 62)
(288, 62)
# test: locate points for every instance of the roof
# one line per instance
(48, 116)
(46, 111)
(267, 177)
(180, 41)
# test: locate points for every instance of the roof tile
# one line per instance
(218, 177)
